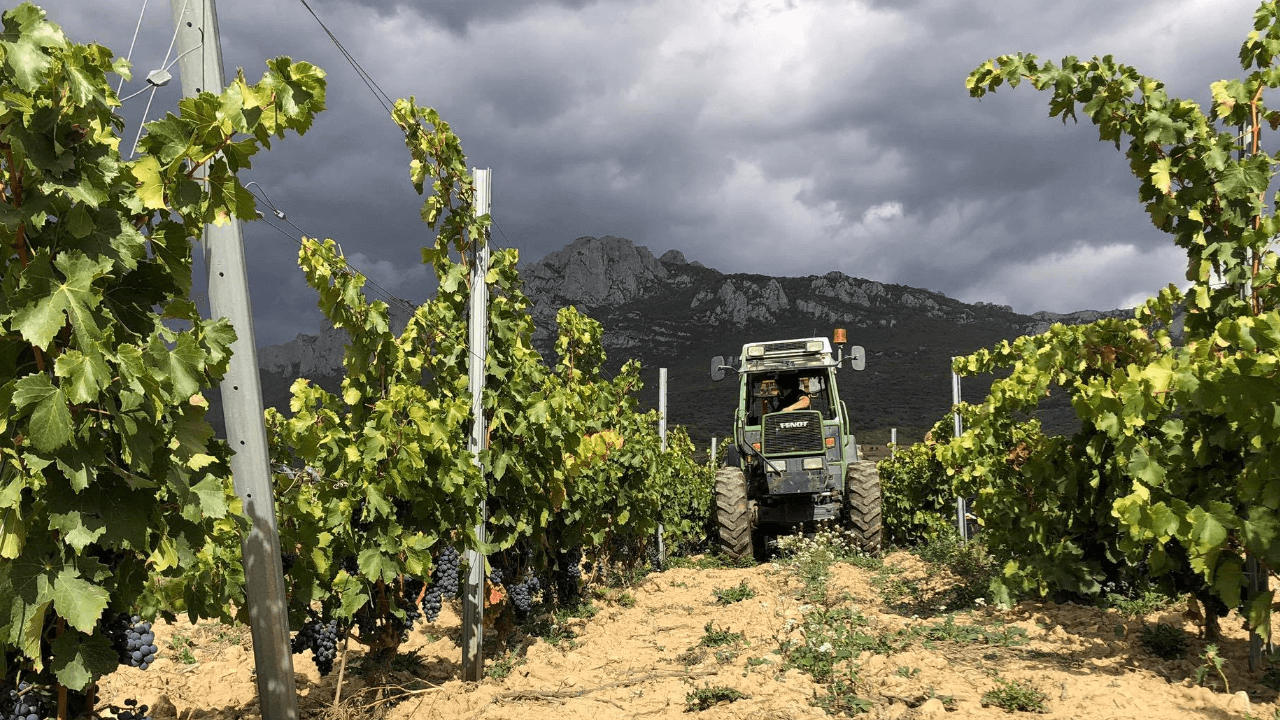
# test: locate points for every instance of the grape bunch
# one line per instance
(522, 594)
(321, 638)
(568, 575)
(288, 559)
(432, 603)
(25, 703)
(410, 587)
(131, 711)
(446, 572)
(349, 564)
(133, 641)
(495, 576)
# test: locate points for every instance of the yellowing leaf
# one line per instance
(1160, 171)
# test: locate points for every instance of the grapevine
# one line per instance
(392, 492)
(1173, 471)
(115, 497)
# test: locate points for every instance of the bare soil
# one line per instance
(643, 653)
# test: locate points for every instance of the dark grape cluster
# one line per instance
(495, 576)
(432, 603)
(446, 572)
(522, 594)
(133, 641)
(568, 575)
(288, 559)
(321, 638)
(349, 564)
(410, 587)
(25, 703)
(131, 711)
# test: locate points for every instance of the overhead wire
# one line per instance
(378, 93)
(383, 292)
(129, 56)
(143, 122)
(386, 102)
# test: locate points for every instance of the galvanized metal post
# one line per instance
(715, 446)
(961, 523)
(662, 434)
(478, 350)
(893, 441)
(200, 67)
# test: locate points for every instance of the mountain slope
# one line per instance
(668, 312)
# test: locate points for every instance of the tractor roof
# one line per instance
(786, 354)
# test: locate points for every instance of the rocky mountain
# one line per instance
(669, 312)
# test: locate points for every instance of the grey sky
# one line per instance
(772, 136)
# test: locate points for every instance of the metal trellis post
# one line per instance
(200, 67)
(961, 510)
(662, 434)
(477, 331)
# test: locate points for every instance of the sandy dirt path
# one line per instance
(641, 656)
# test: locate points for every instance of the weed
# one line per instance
(738, 593)
(228, 637)
(811, 557)
(948, 630)
(550, 629)
(726, 656)
(1212, 661)
(1164, 641)
(693, 656)
(709, 562)
(1007, 636)
(906, 672)
(948, 701)
(1016, 696)
(842, 697)
(681, 584)
(181, 646)
(1150, 602)
(969, 562)
(719, 638)
(503, 665)
(757, 661)
(710, 696)
(1271, 679)
(582, 610)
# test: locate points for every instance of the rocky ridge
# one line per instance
(669, 312)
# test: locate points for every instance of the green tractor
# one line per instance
(793, 461)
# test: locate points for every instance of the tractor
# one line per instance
(793, 461)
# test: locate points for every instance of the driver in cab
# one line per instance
(797, 394)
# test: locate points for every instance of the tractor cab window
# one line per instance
(785, 392)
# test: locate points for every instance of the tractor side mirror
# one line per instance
(857, 358)
(717, 368)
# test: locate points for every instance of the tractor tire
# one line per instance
(862, 504)
(733, 515)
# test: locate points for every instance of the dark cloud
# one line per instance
(770, 136)
(458, 16)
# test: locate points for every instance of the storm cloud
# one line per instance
(772, 136)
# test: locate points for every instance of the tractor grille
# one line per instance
(793, 432)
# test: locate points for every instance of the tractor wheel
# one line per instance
(862, 504)
(733, 517)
